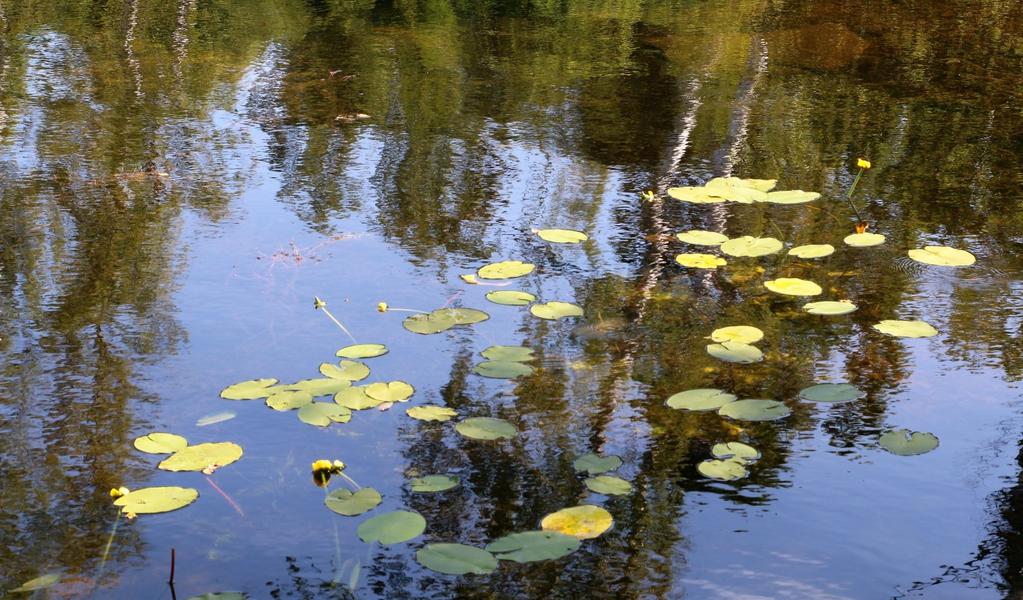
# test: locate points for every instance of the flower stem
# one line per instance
(338, 323)
(106, 554)
(852, 190)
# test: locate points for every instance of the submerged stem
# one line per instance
(338, 323)
(852, 190)
(106, 554)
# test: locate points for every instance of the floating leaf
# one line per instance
(502, 369)
(505, 270)
(735, 189)
(745, 334)
(608, 485)
(362, 351)
(510, 297)
(215, 418)
(160, 443)
(289, 400)
(486, 428)
(202, 456)
(157, 499)
(345, 502)
(431, 412)
(561, 236)
(584, 522)
(908, 443)
(829, 307)
(248, 390)
(462, 316)
(942, 256)
(700, 261)
(318, 387)
(910, 329)
(791, 197)
(793, 287)
(456, 559)
(735, 352)
(700, 399)
(812, 251)
(428, 323)
(532, 546)
(702, 238)
(751, 246)
(39, 583)
(736, 450)
(755, 410)
(696, 195)
(863, 240)
(322, 414)
(434, 483)
(512, 353)
(392, 528)
(349, 370)
(723, 470)
(556, 310)
(392, 391)
(594, 464)
(833, 393)
(355, 398)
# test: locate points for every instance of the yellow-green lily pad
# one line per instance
(747, 334)
(154, 500)
(608, 485)
(160, 443)
(584, 522)
(511, 297)
(392, 528)
(350, 504)
(434, 483)
(723, 470)
(456, 559)
(791, 197)
(561, 236)
(595, 465)
(202, 456)
(864, 240)
(829, 307)
(392, 391)
(702, 238)
(555, 310)
(322, 414)
(908, 329)
(700, 261)
(349, 370)
(942, 256)
(812, 251)
(248, 390)
(532, 546)
(735, 352)
(505, 270)
(700, 399)
(289, 400)
(356, 398)
(755, 410)
(735, 450)
(486, 428)
(791, 286)
(362, 351)
(431, 412)
(908, 443)
(748, 245)
(502, 369)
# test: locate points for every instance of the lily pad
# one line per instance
(512, 353)
(909, 329)
(700, 399)
(561, 236)
(289, 400)
(735, 190)
(434, 483)
(751, 246)
(791, 197)
(723, 470)
(502, 369)
(486, 428)
(356, 398)
(791, 286)
(428, 323)
(829, 307)
(746, 334)
(348, 503)
(584, 522)
(392, 528)
(755, 410)
(510, 297)
(322, 414)
(202, 456)
(505, 270)
(556, 310)
(349, 370)
(248, 390)
(908, 443)
(324, 386)
(532, 546)
(735, 352)
(362, 351)
(39, 583)
(456, 559)
(462, 316)
(700, 261)
(812, 251)
(431, 412)
(154, 500)
(594, 464)
(696, 195)
(942, 256)
(736, 450)
(864, 240)
(160, 443)
(702, 238)
(608, 485)
(392, 391)
(832, 393)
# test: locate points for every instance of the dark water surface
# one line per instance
(175, 187)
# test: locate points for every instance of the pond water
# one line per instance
(179, 180)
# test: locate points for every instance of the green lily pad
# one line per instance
(202, 456)
(512, 353)
(154, 500)
(791, 286)
(832, 393)
(248, 390)
(723, 470)
(864, 240)
(594, 464)
(735, 352)
(791, 197)
(700, 261)
(462, 316)
(748, 245)
(486, 428)
(456, 559)
(745, 334)
(812, 251)
(324, 386)
(345, 502)
(942, 256)
(428, 323)
(39, 583)
(699, 237)
(556, 310)
(561, 236)
(431, 412)
(289, 400)
(356, 398)
(735, 450)
(735, 190)
(362, 351)
(755, 410)
(392, 391)
(322, 414)
(505, 270)
(584, 522)
(434, 483)
(392, 528)
(502, 369)
(696, 195)
(608, 485)
(908, 443)
(511, 297)
(349, 370)
(700, 399)
(829, 307)
(160, 443)
(909, 329)
(532, 546)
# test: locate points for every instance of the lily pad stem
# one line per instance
(106, 554)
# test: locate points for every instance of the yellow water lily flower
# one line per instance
(317, 303)
(116, 493)
(382, 306)
(322, 465)
(862, 163)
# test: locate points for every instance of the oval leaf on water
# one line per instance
(486, 428)
(289, 400)
(833, 393)
(511, 297)
(608, 485)
(248, 390)
(745, 334)
(735, 189)
(202, 456)
(392, 528)
(156, 500)
(735, 352)
(505, 270)
(812, 251)
(909, 329)
(755, 410)
(434, 483)
(532, 546)
(700, 261)
(322, 414)
(699, 237)
(594, 464)
(751, 246)
(502, 369)
(864, 240)
(362, 351)
(696, 195)
(723, 470)
(160, 443)
(348, 370)
(324, 386)
(561, 236)
(512, 353)
(456, 559)
(829, 307)
(584, 522)
(908, 443)
(556, 310)
(39, 583)
(700, 399)
(736, 450)
(791, 286)
(392, 391)
(942, 256)
(356, 398)
(431, 412)
(791, 197)
(345, 502)
(461, 316)
(429, 323)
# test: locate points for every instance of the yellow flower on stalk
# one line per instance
(862, 163)
(382, 306)
(322, 465)
(116, 493)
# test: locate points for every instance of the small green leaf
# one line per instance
(156, 499)
(751, 246)
(864, 240)
(532, 546)
(909, 329)
(594, 464)
(832, 393)
(745, 334)
(323, 386)
(348, 370)
(322, 414)
(505, 270)
(755, 410)
(736, 450)
(392, 391)
(700, 261)
(160, 443)
(430, 412)
(908, 443)
(355, 398)
(202, 456)
(248, 390)
(429, 323)
(344, 502)
(942, 256)
(392, 528)
(456, 559)
(510, 297)
(696, 195)
(486, 428)
(700, 399)
(702, 238)
(512, 353)
(829, 307)
(39, 583)
(502, 369)
(289, 400)
(362, 351)
(561, 236)
(812, 251)
(723, 470)
(791, 286)
(791, 197)
(735, 352)
(609, 485)
(556, 310)
(434, 483)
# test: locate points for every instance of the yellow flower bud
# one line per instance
(322, 465)
(116, 493)
(862, 163)
(382, 306)
(338, 466)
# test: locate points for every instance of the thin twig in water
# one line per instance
(230, 500)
